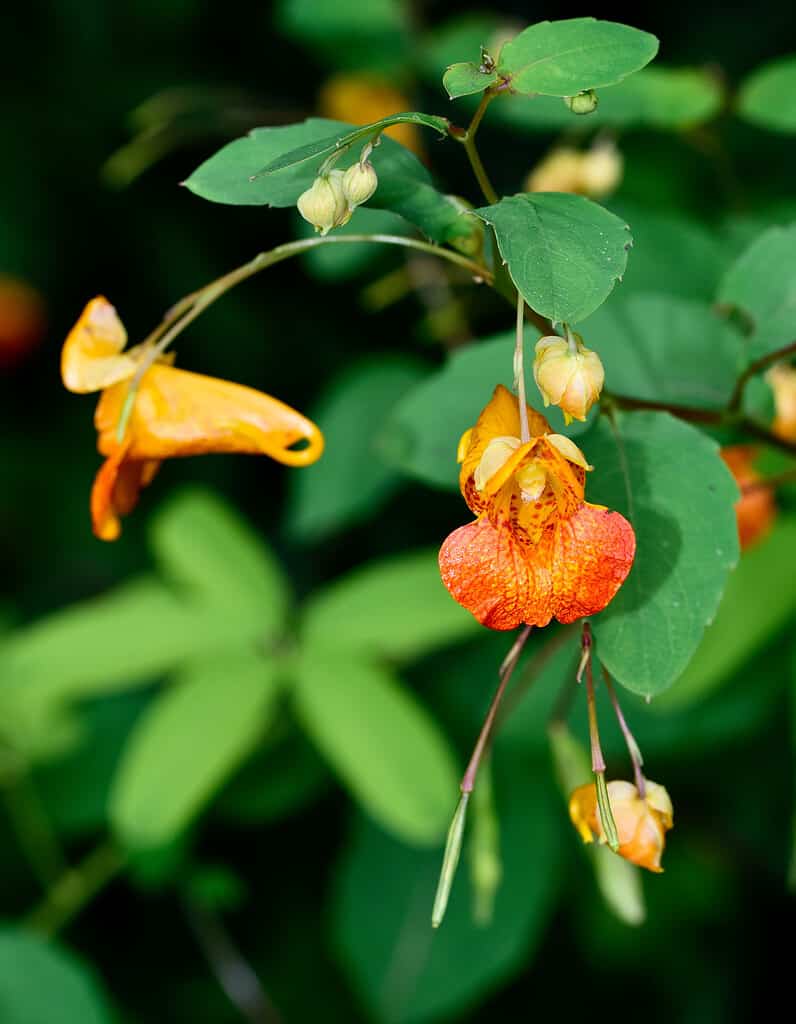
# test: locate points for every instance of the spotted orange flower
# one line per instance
(756, 509)
(536, 550)
(641, 824)
(175, 413)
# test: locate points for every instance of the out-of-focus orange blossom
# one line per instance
(22, 320)
(756, 509)
(361, 98)
(782, 379)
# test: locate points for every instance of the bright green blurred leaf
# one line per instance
(667, 479)
(767, 97)
(460, 37)
(351, 481)
(561, 58)
(348, 33)
(564, 252)
(203, 547)
(41, 983)
(186, 745)
(387, 751)
(762, 283)
(422, 434)
(746, 620)
(395, 608)
(464, 79)
(405, 972)
(665, 349)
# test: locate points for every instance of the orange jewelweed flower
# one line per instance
(175, 414)
(756, 509)
(537, 550)
(641, 824)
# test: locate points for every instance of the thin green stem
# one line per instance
(75, 889)
(468, 141)
(597, 759)
(32, 826)
(758, 366)
(630, 740)
(519, 372)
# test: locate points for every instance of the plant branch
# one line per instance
(630, 740)
(753, 369)
(519, 373)
(467, 139)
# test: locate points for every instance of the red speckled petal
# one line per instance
(592, 553)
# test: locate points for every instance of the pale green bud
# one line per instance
(323, 204)
(359, 183)
(583, 102)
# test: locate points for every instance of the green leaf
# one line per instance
(187, 744)
(315, 151)
(41, 983)
(348, 33)
(463, 35)
(745, 621)
(647, 345)
(422, 434)
(465, 78)
(762, 282)
(396, 608)
(230, 175)
(404, 972)
(668, 480)
(351, 480)
(668, 99)
(564, 252)
(561, 58)
(207, 550)
(387, 751)
(767, 97)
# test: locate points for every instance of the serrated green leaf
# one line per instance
(396, 608)
(564, 253)
(41, 983)
(351, 480)
(762, 283)
(767, 97)
(207, 550)
(668, 99)
(647, 346)
(422, 434)
(561, 58)
(456, 966)
(668, 480)
(387, 751)
(465, 79)
(187, 744)
(744, 622)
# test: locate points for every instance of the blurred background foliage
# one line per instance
(243, 723)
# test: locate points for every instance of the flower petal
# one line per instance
(178, 413)
(92, 358)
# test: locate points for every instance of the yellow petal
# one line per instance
(92, 358)
(568, 449)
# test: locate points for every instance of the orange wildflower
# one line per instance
(641, 824)
(537, 550)
(175, 414)
(755, 510)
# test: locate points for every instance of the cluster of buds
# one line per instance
(595, 173)
(568, 374)
(334, 195)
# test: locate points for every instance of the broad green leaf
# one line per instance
(405, 972)
(465, 78)
(187, 744)
(745, 620)
(351, 480)
(767, 97)
(42, 983)
(668, 480)
(316, 151)
(342, 262)
(204, 548)
(665, 349)
(382, 744)
(231, 175)
(561, 58)
(396, 608)
(422, 434)
(564, 252)
(762, 283)
(669, 99)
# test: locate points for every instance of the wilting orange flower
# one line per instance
(641, 824)
(537, 550)
(175, 413)
(755, 510)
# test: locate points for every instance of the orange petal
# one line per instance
(92, 358)
(755, 509)
(177, 413)
(116, 488)
(592, 553)
(485, 570)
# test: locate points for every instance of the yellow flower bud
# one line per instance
(359, 183)
(559, 171)
(568, 375)
(641, 824)
(601, 170)
(323, 204)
